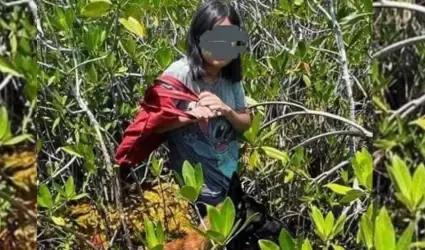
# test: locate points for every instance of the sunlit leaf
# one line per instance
(96, 8)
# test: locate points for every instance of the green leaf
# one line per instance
(214, 218)
(268, 245)
(164, 56)
(336, 247)
(158, 247)
(132, 25)
(79, 196)
(150, 233)
(275, 154)
(329, 224)
(189, 193)
(4, 124)
(298, 2)
(306, 245)
(17, 139)
(253, 159)
(216, 236)
(384, 232)
(352, 195)
(339, 189)
(44, 198)
(199, 177)
(157, 166)
(285, 240)
(189, 174)
(417, 190)
(227, 216)
(401, 175)
(58, 220)
(70, 188)
(72, 151)
(160, 236)
(420, 122)
(362, 165)
(7, 68)
(59, 189)
(289, 176)
(252, 133)
(96, 8)
(307, 80)
(366, 231)
(318, 220)
(284, 4)
(406, 237)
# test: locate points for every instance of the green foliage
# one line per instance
(193, 181)
(327, 228)
(155, 235)
(410, 189)
(222, 220)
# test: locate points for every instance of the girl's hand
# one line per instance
(214, 103)
(201, 112)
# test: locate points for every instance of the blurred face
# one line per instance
(207, 55)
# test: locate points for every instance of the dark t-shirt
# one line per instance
(213, 144)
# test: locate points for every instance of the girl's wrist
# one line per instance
(228, 112)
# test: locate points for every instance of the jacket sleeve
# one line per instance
(139, 139)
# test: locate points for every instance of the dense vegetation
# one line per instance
(18, 98)
(317, 89)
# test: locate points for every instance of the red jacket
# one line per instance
(157, 108)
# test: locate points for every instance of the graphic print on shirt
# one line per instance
(216, 138)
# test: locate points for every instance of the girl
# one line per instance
(221, 110)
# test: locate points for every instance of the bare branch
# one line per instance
(344, 66)
(398, 45)
(5, 81)
(315, 138)
(106, 156)
(318, 179)
(399, 5)
(407, 108)
(10, 4)
(320, 113)
(85, 62)
(278, 103)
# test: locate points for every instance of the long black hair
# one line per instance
(207, 15)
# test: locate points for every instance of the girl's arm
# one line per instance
(180, 122)
(241, 121)
(199, 112)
